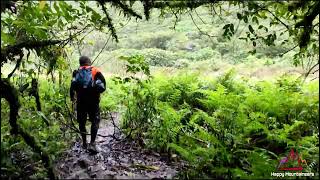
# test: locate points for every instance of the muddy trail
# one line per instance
(118, 158)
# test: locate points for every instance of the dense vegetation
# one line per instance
(223, 127)
(209, 82)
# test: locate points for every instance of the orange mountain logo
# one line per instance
(293, 162)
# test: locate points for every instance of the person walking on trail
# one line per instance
(88, 83)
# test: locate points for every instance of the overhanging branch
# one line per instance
(201, 32)
(125, 8)
(10, 51)
(109, 23)
(18, 63)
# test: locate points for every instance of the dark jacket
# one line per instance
(86, 95)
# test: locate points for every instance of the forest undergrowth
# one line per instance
(226, 127)
(166, 65)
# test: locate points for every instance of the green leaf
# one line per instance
(7, 38)
(239, 16)
(266, 29)
(41, 114)
(95, 16)
(245, 19)
(89, 9)
(56, 7)
(232, 28)
(60, 24)
(226, 26)
(243, 38)
(251, 29)
(262, 14)
(255, 19)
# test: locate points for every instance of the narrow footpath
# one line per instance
(117, 159)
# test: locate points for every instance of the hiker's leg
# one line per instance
(82, 119)
(94, 116)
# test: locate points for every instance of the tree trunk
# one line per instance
(9, 93)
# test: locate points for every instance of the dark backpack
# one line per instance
(84, 79)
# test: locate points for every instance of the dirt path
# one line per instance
(115, 160)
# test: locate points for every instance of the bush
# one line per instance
(16, 155)
(202, 54)
(159, 40)
(181, 63)
(158, 57)
(203, 122)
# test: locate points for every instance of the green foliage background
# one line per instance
(219, 89)
(226, 128)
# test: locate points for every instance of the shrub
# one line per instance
(202, 54)
(181, 63)
(225, 128)
(158, 57)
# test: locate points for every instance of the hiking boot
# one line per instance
(93, 148)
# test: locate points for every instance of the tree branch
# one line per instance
(126, 9)
(18, 63)
(289, 50)
(146, 8)
(105, 45)
(109, 23)
(309, 71)
(204, 33)
(199, 17)
(10, 51)
(192, 4)
(279, 20)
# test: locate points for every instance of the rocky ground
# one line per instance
(117, 159)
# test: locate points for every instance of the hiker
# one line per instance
(88, 83)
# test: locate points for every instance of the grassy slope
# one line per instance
(160, 42)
